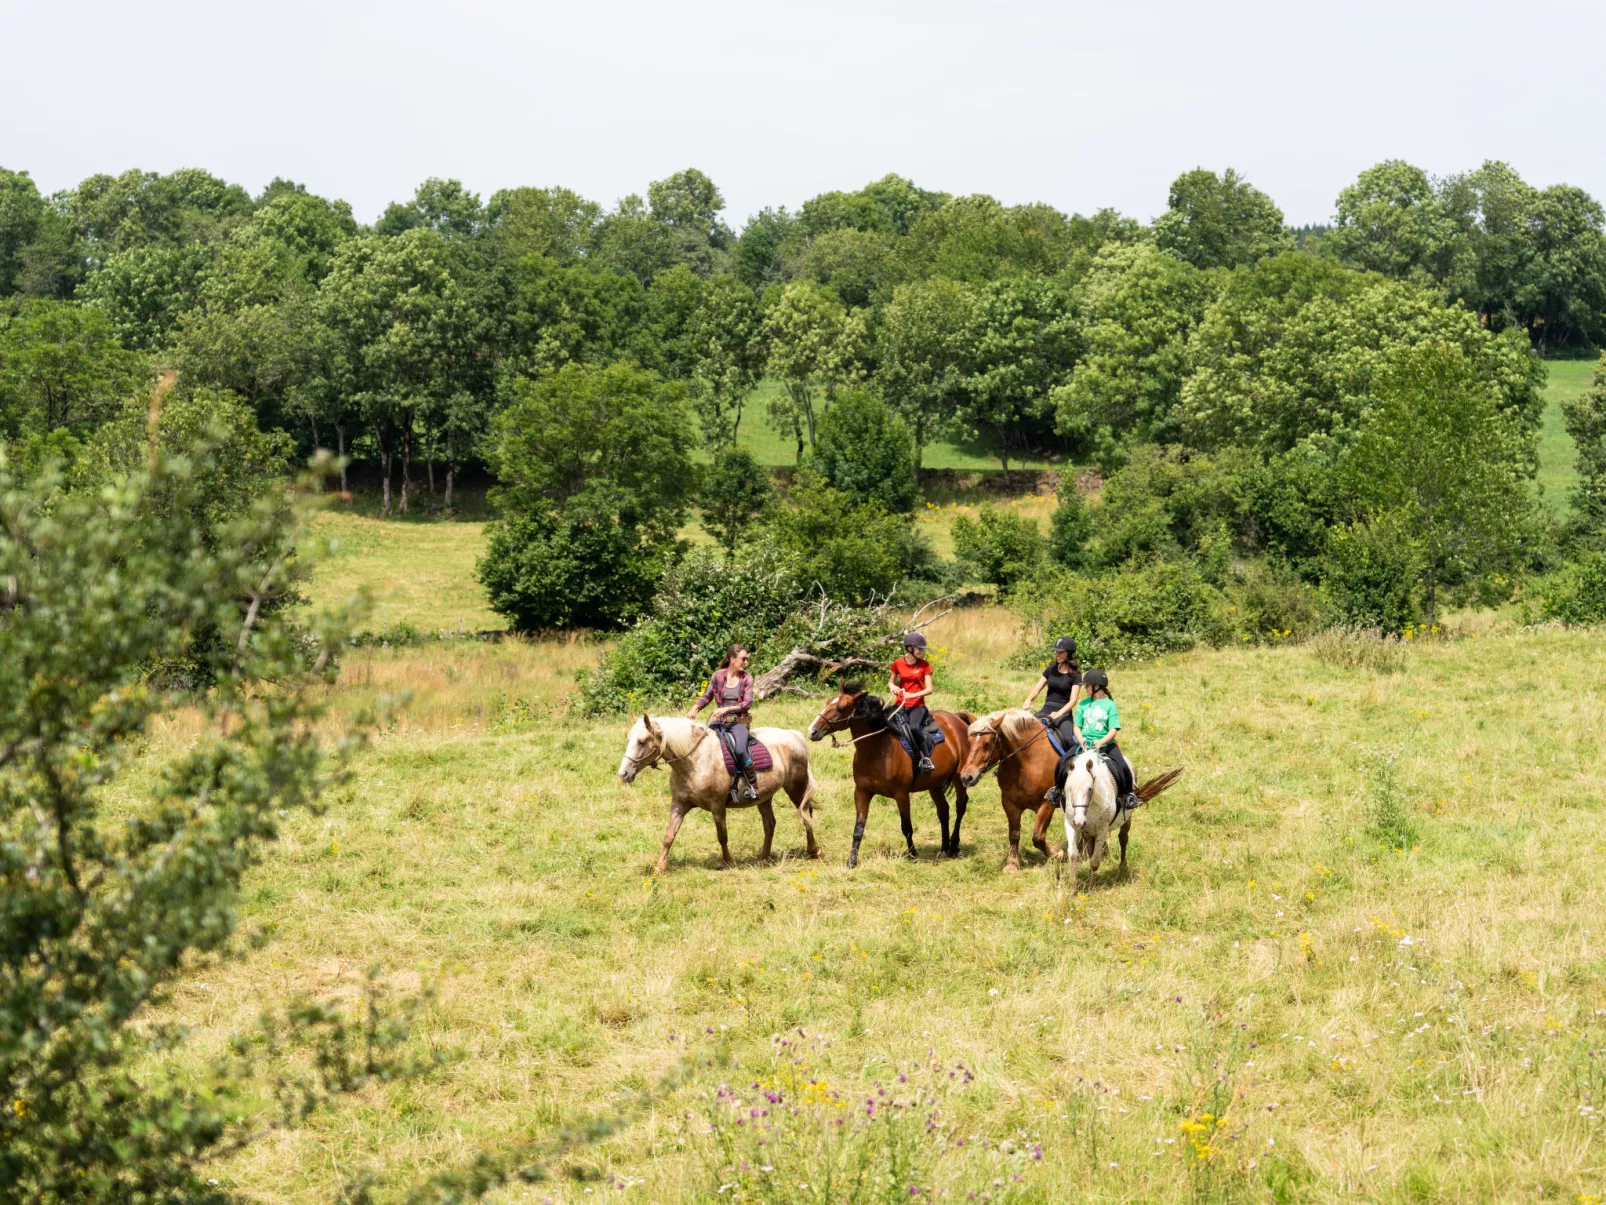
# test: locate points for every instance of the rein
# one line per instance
(836, 744)
(1019, 749)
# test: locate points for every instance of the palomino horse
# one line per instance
(1016, 743)
(698, 778)
(1090, 809)
(881, 767)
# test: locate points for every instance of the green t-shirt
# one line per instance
(1097, 718)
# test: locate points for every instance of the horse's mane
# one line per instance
(864, 704)
(680, 734)
(1015, 723)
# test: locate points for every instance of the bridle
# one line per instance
(652, 762)
(1015, 752)
(836, 744)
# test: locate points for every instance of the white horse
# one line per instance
(1091, 810)
(698, 778)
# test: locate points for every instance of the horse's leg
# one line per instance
(718, 810)
(861, 813)
(940, 797)
(677, 814)
(961, 799)
(907, 821)
(766, 813)
(1012, 813)
(1045, 815)
(1125, 829)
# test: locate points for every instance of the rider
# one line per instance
(731, 688)
(910, 683)
(1097, 722)
(1062, 678)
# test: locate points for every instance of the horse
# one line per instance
(882, 767)
(698, 778)
(1090, 809)
(1016, 743)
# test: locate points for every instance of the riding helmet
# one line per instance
(1095, 678)
(1066, 644)
(914, 640)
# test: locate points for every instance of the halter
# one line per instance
(651, 763)
(836, 744)
(1019, 749)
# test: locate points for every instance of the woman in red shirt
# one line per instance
(910, 683)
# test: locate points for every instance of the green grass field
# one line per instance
(1567, 379)
(1417, 1020)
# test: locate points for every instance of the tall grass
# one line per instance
(1268, 1007)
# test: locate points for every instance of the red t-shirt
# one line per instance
(911, 677)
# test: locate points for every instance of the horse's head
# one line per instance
(643, 747)
(848, 704)
(1081, 783)
(987, 744)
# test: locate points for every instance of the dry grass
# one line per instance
(1410, 1025)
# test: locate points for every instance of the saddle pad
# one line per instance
(1053, 736)
(933, 734)
(755, 749)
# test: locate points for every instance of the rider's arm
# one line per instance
(894, 689)
(1076, 693)
(704, 700)
(925, 688)
(1032, 698)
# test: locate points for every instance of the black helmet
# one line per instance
(1096, 678)
(913, 640)
(1066, 644)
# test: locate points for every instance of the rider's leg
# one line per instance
(916, 718)
(744, 761)
(1125, 788)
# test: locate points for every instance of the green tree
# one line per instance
(726, 355)
(1221, 221)
(858, 266)
(688, 204)
(1371, 571)
(735, 494)
(1585, 418)
(852, 550)
(865, 450)
(1438, 450)
(815, 346)
(1026, 338)
(976, 239)
(924, 349)
(619, 434)
(61, 367)
(444, 206)
(998, 545)
(1139, 306)
(553, 222)
(22, 212)
(769, 243)
(1563, 293)
(146, 290)
(1070, 525)
(1392, 221)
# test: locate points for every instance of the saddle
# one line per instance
(1053, 737)
(934, 736)
(756, 749)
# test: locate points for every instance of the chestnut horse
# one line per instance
(882, 767)
(1015, 742)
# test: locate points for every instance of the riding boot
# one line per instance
(749, 783)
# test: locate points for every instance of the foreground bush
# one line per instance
(999, 545)
(852, 550)
(1575, 593)
(1360, 648)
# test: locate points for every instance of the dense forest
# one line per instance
(1337, 419)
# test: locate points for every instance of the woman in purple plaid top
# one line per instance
(731, 691)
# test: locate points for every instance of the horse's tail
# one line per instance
(1158, 783)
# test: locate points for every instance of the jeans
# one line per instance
(1064, 728)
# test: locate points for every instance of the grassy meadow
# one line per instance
(1417, 1019)
(1566, 380)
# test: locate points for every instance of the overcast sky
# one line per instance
(1077, 104)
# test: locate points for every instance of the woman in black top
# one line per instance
(1063, 681)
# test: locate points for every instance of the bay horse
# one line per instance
(698, 778)
(1090, 810)
(1015, 742)
(881, 766)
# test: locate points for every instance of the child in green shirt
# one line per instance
(1098, 720)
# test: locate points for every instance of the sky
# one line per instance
(1080, 105)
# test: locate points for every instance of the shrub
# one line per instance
(1360, 648)
(1160, 608)
(865, 450)
(1388, 816)
(1270, 603)
(1071, 524)
(736, 493)
(1575, 593)
(1370, 571)
(573, 570)
(851, 550)
(999, 545)
(704, 604)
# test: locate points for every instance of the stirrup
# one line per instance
(925, 766)
(1056, 796)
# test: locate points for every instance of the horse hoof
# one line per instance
(1011, 867)
(1058, 855)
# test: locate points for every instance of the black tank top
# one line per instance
(1060, 685)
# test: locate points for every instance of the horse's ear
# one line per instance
(647, 720)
